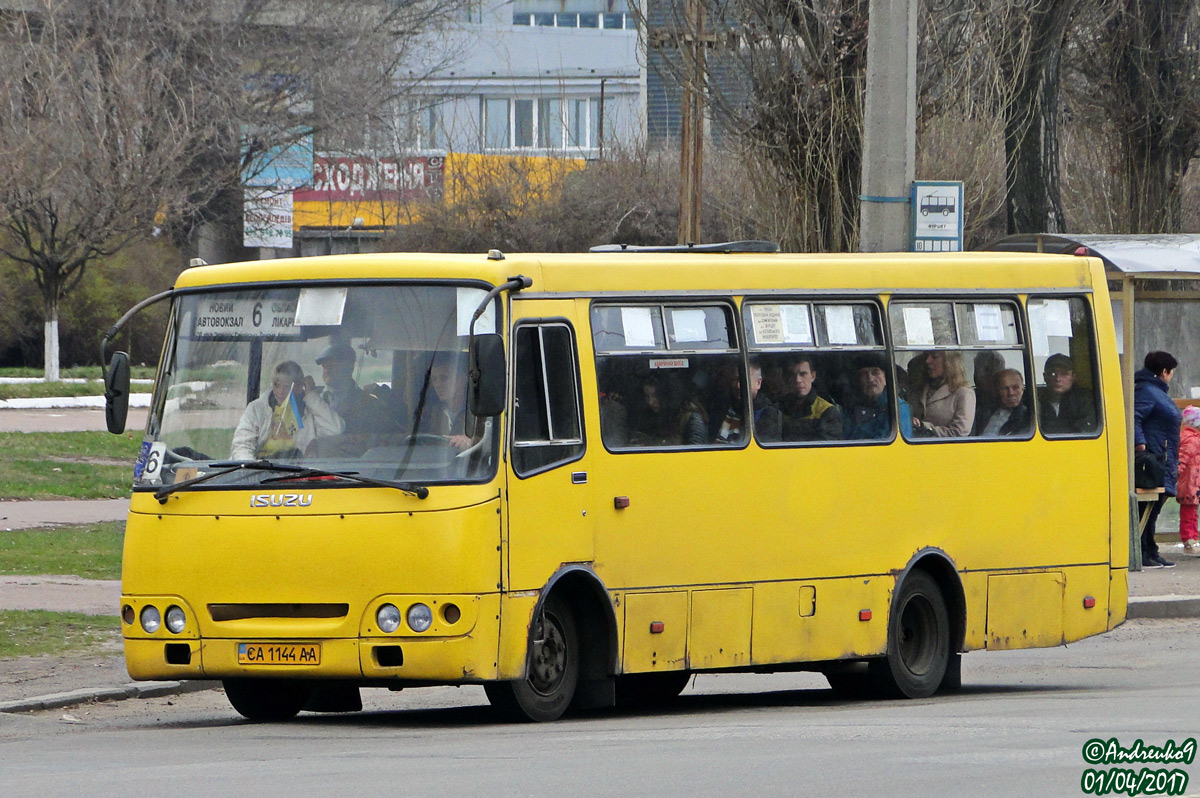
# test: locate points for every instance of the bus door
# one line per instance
(548, 482)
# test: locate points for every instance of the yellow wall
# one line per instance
(467, 176)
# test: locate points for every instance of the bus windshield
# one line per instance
(366, 380)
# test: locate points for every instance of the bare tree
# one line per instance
(123, 116)
(1143, 61)
(1027, 38)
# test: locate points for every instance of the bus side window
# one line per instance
(547, 430)
(1064, 360)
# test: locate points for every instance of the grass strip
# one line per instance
(91, 551)
(25, 633)
(75, 372)
(49, 465)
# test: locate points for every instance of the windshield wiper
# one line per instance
(293, 472)
(420, 491)
(223, 468)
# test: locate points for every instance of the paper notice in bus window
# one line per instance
(918, 327)
(1058, 317)
(1037, 330)
(638, 326)
(467, 300)
(797, 328)
(767, 324)
(689, 325)
(321, 306)
(989, 323)
(839, 324)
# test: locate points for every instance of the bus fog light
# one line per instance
(420, 617)
(127, 614)
(388, 618)
(176, 619)
(151, 619)
(451, 613)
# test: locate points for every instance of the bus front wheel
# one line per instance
(918, 649)
(552, 672)
(267, 699)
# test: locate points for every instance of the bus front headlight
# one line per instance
(388, 618)
(420, 617)
(176, 619)
(151, 619)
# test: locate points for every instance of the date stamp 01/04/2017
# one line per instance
(1120, 778)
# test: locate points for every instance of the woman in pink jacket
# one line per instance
(1187, 488)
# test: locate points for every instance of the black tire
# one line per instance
(552, 670)
(918, 645)
(267, 699)
(650, 689)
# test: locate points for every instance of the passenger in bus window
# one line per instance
(986, 367)
(614, 418)
(723, 401)
(868, 414)
(360, 412)
(1063, 407)
(943, 405)
(806, 415)
(445, 411)
(1012, 415)
(768, 421)
(285, 420)
(774, 385)
(664, 419)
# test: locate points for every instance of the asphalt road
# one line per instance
(1018, 728)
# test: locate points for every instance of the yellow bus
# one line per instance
(577, 479)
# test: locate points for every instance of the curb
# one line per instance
(52, 402)
(90, 695)
(1163, 607)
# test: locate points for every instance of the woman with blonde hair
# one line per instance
(943, 404)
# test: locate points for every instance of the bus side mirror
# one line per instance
(116, 393)
(487, 371)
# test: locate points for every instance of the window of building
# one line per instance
(1060, 333)
(496, 124)
(962, 367)
(670, 376)
(542, 122)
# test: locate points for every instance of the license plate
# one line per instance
(271, 654)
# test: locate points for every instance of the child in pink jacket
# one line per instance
(1187, 489)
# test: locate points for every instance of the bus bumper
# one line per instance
(458, 659)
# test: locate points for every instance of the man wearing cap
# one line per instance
(868, 416)
(356, 407)
(1064, 409)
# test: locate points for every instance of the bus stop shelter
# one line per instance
(1154, 283)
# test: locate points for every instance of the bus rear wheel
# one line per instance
(552, 672)
(267, 699)
(918, 649)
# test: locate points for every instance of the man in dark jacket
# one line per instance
(807, 416)
(1156, 428)
(1064, 408)
(1011, 415)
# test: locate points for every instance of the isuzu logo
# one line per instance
(281, 500)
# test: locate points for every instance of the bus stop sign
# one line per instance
(937, 216)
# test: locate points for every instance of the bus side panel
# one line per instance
(820, 619)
